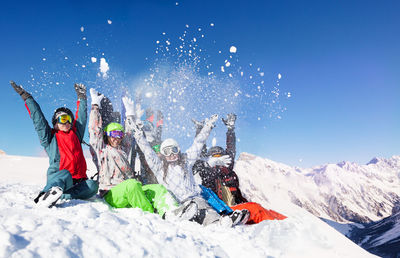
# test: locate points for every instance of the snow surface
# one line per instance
(92, 228)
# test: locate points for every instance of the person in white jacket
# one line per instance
(117, 184)
(173, 169)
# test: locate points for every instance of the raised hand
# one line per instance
(198, 124)
(230, 121)
(211, 121)
(21, 91)
(138, 110)
(80, 90)
(96, 97)
(224, 161)
(129, 106)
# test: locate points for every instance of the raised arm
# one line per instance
(130, 113)
(133, 121)
(39, 121)
(96, 123)
(230, 135)
(193, 153)
(81, 110)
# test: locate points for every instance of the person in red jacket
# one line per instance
(66, 175)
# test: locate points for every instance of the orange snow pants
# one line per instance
(258, 213)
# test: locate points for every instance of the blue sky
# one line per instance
(339, 63)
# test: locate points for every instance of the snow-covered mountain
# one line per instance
(344, 192)
(90, 228)
(382, 237)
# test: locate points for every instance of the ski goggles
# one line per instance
(217, 155)
(167, 151)
(63, 119)
(156, 148)
(115, 134)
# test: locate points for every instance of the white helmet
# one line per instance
(169, 146)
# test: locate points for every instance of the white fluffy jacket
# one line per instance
(179, 180)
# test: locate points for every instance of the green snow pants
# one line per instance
(131, 193)
(63, 179)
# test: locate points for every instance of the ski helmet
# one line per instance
(167, 145)
(61, 111)
(215, 151)
(114, 127)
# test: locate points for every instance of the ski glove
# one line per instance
(199, 124)
(224, 161)
(80, 90)
(138, 111)
(137, 127)
(129, 106)
(230, 121)
(211, 121)
(96, 97)
(23, 93)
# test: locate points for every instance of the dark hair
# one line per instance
(181, 162)
(61, 110)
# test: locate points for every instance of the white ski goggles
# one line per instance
(169, 150)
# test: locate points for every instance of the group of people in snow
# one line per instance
(136, 168)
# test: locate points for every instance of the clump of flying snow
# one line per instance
(232, 49)
(109, 21)
(104, 68)
(93, 59)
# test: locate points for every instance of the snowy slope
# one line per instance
(344, 192)
(91, 228)
(382, 237)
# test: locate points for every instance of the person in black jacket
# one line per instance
(216, 169)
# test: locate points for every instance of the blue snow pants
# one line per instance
(63, 179)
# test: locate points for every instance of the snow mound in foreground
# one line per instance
(92, 228)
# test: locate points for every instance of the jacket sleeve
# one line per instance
(81, 118)
(96, 131)
(39, 122)
(153, 161)
(193, 153)
(231, 146)
(128, 138)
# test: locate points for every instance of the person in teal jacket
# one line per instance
(66, 175)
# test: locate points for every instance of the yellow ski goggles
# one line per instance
(63, 119)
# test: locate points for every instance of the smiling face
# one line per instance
(63, 127)
(114, 141)
(172, 157)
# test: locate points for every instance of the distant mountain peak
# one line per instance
(342, 192)
(375, 160)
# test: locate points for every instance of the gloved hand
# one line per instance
(80, 90)
(199, 124)
(96, 97)
(23, 93)
(211, 121)
(224, 161)
(138, 110)
(129, 106)
(230, 121)
(137, 129)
